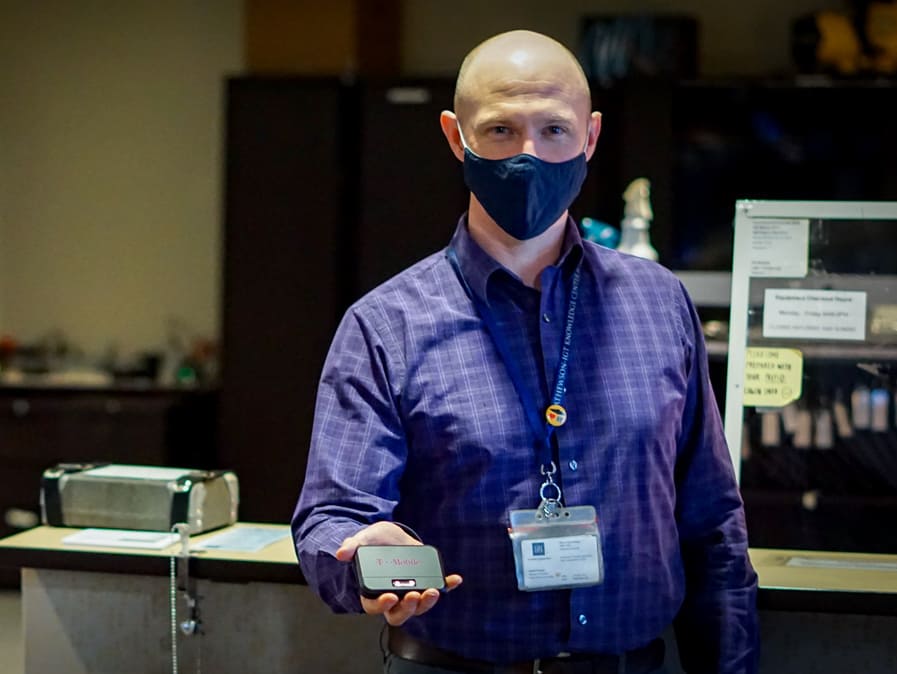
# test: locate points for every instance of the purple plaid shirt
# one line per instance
(417, 421)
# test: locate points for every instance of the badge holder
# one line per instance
(556, 547)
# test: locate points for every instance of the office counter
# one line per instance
(830, 582)
(106, 610)
(90, 609)
(42, 547)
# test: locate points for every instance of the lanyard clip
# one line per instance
(551, 500)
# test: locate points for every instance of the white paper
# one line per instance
(122, 538)
(779, 247)
(241, 539)
(562, 560)
(117, 470)
(852, 565)
(814, 314)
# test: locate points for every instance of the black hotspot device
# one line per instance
(398, 569)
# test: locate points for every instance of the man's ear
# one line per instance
(594, 132)
(449, 123)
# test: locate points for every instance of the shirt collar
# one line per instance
(478, 266)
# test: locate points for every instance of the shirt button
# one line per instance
(582, 619)
(573, 464)
(546, 318)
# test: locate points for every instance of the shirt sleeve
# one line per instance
(355, 461)
(716, 629)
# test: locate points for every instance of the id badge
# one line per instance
(556, 551)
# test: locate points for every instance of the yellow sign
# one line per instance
(772, 377)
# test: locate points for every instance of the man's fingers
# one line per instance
(381, 605)
(427, 601)
(347, 549)
(398, 611)
(452, 581)
(402, 611)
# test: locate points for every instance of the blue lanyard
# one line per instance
(542, 426)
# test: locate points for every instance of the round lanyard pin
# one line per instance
(556, 415)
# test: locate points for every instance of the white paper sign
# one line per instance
(814, 314)
(779, 247)
(122, 538)
(242, 539)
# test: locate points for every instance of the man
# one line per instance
(516, 376)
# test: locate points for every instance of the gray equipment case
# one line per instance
(152, 498)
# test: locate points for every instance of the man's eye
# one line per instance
(556, 130)
(499, 130)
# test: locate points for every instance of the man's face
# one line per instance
(525, 106)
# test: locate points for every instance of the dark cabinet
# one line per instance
(41, 428)
(285, 272)
(411, 187)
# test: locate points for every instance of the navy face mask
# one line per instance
(525, 195)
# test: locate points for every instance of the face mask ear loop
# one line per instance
(461, 133)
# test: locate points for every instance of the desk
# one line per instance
(832, 613)
(831, 582)
(836, 612)
(106, 611)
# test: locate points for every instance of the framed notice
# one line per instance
(812, 359)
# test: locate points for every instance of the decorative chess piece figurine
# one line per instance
(635, 238)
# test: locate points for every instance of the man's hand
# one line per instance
(388, 604)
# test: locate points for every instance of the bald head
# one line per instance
(521, 93)
(507, 62)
